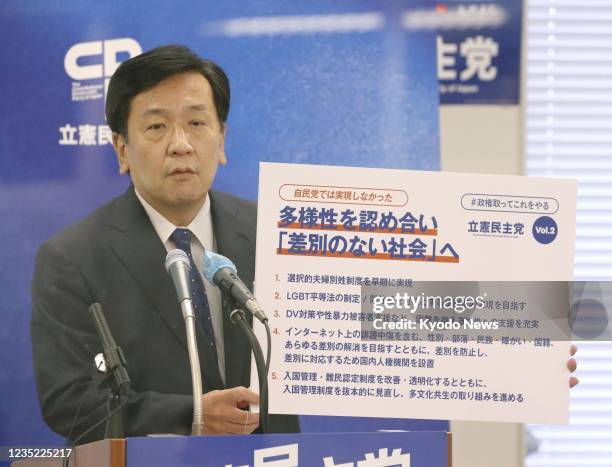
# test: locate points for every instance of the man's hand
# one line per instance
(571, 366)
(223, 414)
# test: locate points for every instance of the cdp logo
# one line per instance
(97, 60)
(108, 50)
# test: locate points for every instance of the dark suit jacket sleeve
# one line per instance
(64, 342)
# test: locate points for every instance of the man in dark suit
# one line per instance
(167, 109)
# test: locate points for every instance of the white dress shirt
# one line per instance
(202, 238)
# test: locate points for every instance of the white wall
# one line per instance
(483, 139)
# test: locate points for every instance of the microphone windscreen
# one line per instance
(177, 255)
(213, 262)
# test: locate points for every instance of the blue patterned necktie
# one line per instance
(182, 240)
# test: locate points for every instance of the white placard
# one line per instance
(324, 231)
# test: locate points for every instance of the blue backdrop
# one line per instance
(312, 82)
(479, 59)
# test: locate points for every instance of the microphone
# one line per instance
(178, 266)
(113, 355)
(116, 375)
(221, 271)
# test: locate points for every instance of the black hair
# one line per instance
(145, 71)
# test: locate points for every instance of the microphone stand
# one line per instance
(178, 266)
(197, 427)
(118, 394)
(238, 317)
(115, 376)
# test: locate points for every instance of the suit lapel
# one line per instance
(139, 248)
(235, 241)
